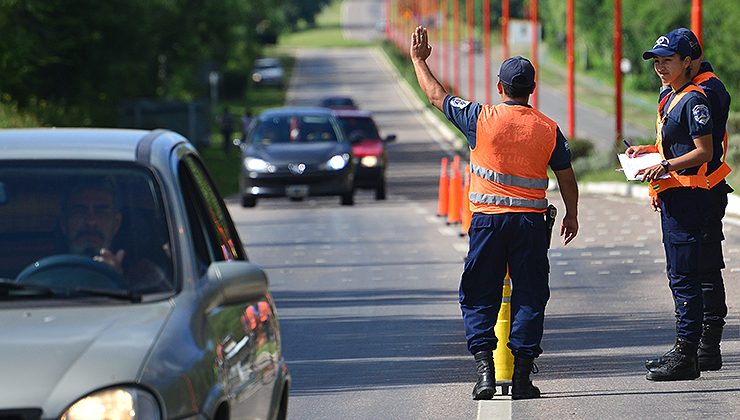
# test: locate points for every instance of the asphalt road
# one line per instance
(367, 295)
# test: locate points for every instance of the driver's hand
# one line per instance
(115, 261)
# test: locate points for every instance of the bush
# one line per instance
(580, 148)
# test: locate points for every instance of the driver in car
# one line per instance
(91, 220)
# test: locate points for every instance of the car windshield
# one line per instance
(265, 63)
(342, 102)
(73, 229)
(358, 128)
(294, 129)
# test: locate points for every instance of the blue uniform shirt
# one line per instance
(464, 115)
(688, 120)
(719, 107)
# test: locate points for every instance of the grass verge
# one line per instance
(327, 32)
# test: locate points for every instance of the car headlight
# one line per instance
(257, 77)
(125, 403)
(338, 162)
(369, 161)
(258, 165)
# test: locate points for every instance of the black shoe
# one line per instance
(485, 388)
(709, 354)
(521, 386)
(682, 365)
(651, 364)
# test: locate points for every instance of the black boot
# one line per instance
(651, 364)
(521, 386)
(485, 388)
(680, 366)
(709, 355)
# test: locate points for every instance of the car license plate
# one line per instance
(297, 191)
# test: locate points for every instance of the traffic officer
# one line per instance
(511, 146)
(684, 140)
(712, 284)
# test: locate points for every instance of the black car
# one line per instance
(125, 289)
(296, 152)
(338, 102)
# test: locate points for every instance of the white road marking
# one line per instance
(460, 247)
(447, 231)
(603, 272)
(494, 409)
(569, 273)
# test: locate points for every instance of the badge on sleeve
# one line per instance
(459, 102)
(701, 114)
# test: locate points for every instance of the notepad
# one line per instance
(630, 165)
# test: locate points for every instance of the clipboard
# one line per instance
(630, 165)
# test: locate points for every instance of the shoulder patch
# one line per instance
(701, 114)
(567, 146)
(459, 102)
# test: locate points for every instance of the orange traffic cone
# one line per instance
(465, 214)
(453, 210)
(444, 193)
(503, 360)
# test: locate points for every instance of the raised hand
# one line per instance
(420, 48)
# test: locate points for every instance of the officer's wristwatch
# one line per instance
(665, 165)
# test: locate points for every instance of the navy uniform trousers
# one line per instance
(712, 284)
(518, 240)
(683, 219)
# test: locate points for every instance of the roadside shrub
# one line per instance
(580, 148)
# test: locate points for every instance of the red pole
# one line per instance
(696, 23)
(571, 70)
(456, 47)
(470, 20)
(618, 69)
(445, 42)
(505, 28)
(487, 48)
(535, 41)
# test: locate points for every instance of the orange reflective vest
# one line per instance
(509, 162)
(675, 180)
(723, 170)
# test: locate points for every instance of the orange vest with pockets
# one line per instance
(699, 180)
(509, 162)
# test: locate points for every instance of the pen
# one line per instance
(626, 143)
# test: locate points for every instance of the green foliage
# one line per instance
(580, 148)
(82, 57)
(642, 23)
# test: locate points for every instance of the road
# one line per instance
(367, 295)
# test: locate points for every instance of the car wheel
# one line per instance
(249, 201)
(348, 199)
(380, 190)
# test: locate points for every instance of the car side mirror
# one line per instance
(391, 138)
(232, 282)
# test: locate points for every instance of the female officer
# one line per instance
(679, 190)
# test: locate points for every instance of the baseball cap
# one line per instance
(666, 45)
(692, 40)
(517, 72)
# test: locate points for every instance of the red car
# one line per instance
(368, 149)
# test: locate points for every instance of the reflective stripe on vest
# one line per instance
(693, 181)
(507, 179)
(723, 170)
(509, 163)
(500, 200)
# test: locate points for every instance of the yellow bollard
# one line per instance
(503, 360)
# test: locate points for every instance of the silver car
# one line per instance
(268, 72)
(125, 291)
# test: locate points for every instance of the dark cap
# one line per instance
(517, 72)
(692, 40)
(669, 44)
